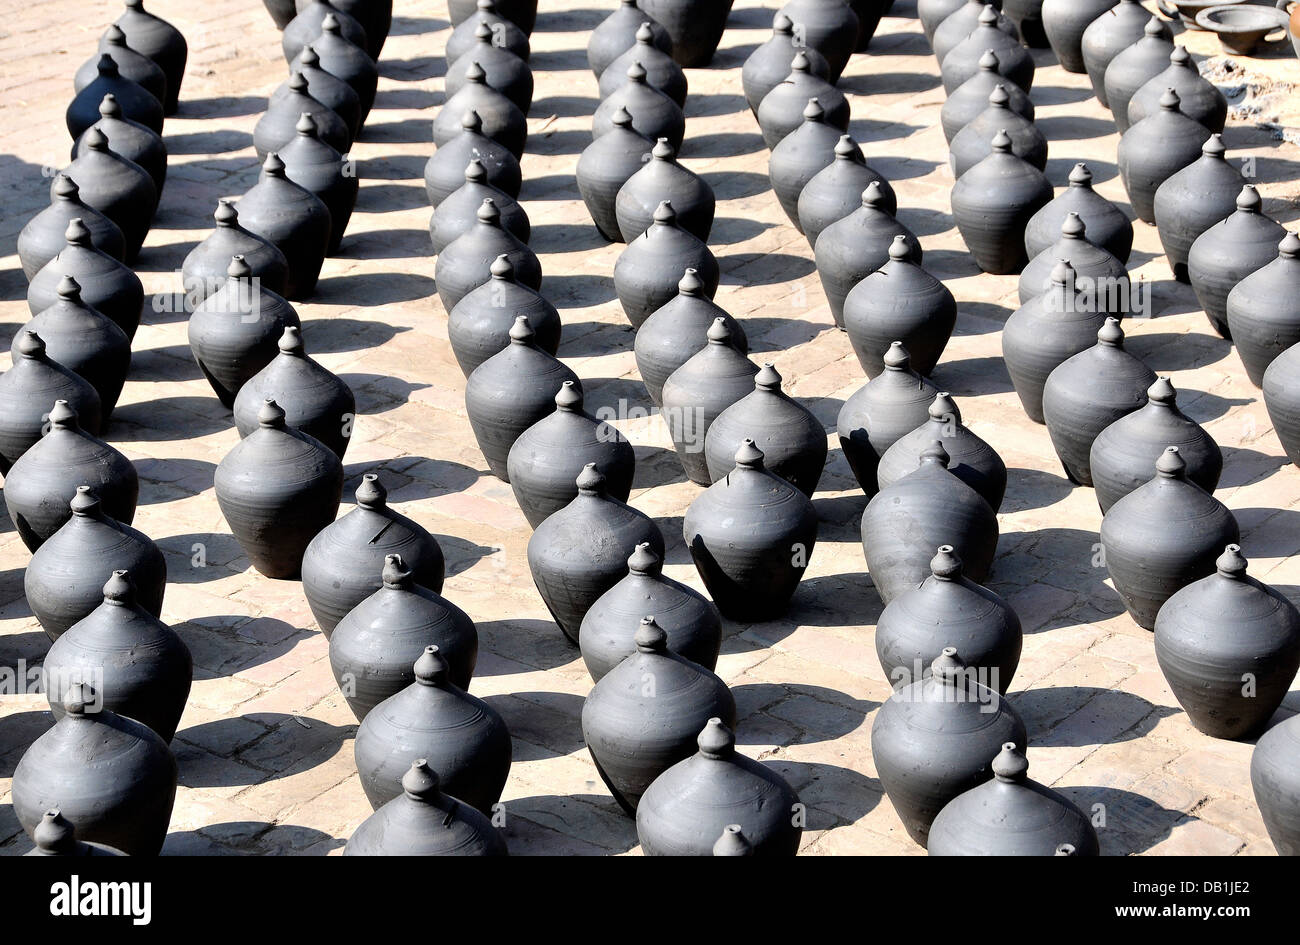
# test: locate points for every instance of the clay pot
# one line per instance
(933, 12)
(523, 13)
(769, 64)
(374, 647)
(55, 836)
(502, 70)
(154, 37)
(654, 114)
(282, 120)
(993, 202)
(375, 17)
(886, 408)
(1283, 400)
(1064, 22)
(479, 326)
(828, 26)
(711, 380)
(662, 180)
(636, 732)
(836, 191)
(932, 739)
(1124, 454)
(900, 301)
(43, 237)
(282, 12)
(971, 99)
(781, 110)
(970, 459)
(422, 821)
(1162, 536)
(1011, 815)
(294, 219)
(40, 485)
(328, 89)
(1228, 252)
(581, 551)
(130, 140)
(64, 580)
(1193, 200)
(677, 330)
(131, 65)
(661, 71)
(1275, 780)
(444, 173)
(1028, 17)
(994, 32)
(1155, 149)
(695, 800)
(646, 274)
(460, 735)
(104, 284)
(973, 143)
(1087, 393)
(315, 401)
(346, 60)
(1114, 31)
(205, 269)
(792, 440)
(696, 28)
(118, 188)
(751, 536)
(1205, 663)
(308, 24)
(135, 101)
(545, 460)
(617, 34)
(800, 155)
(510, 391)
(928, 507)
(1263, 310)
(1098, 274)
(964, 21)
(609, 629)
(86, 342)
(1105, 224)
(456, 215)
(1198, 98)
(947, 606)
(853, 248)
(277, 488)
(113, 778)
(605, 166)
(1135, 66)
(26, 392)
(141, 666)
(466, 262)
(315, 165)
(501, 120)
(869, 13)
(235, 331)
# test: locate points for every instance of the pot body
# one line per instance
(1154, 150)
(1282, 398)
(1064, 22)
(1124, 454)
(1263, 313)
(1105, 223)
(696, 26)
(107, 286)
(1227, 253)
(674, 333)
(993, 203)
(1106, 37)
(1275, 777)
(235, 332)
(444, 172)
(647, 273)
(466, 263)
(479, 326)
(881, 413)
(603, 168)
(1133, 68)
(828, 26)
(1042, 334)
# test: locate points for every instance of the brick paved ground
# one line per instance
(265, 747)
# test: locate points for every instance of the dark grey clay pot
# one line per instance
(546, 459)
(1162, 536)
(294, 219)
(1229, 647)
(696, 29)
(466, 262)
(1135, 66)
(1264, 310)
(616, 34)
(136, 102)
(118, 188)
(64, 581)
(974, 142)
(324, 87)
(502, 121)
(971, 99)
(375, 646)
(131, 140)
(279, 123)
(828, 26)
(1106, 37)
(457, 214)
(1199, 99)
(933, 12)
(106, 285)
(1124, 454)
(308, 25)
(993, 202)
(1193, 200)
(654, 114)
(970, 459)
(1064, 22)
(961, 23)
(1156, 148)
(444, 173)
(154, 37)
(1105, 223)
(55, 836)
(662, 72)
(605, 166)
(751, 536)
(205, 269)
(581, 551)
(677, 330)
(836, 190)
(479, 326)
(663, 180)
(634, 731)
(502, 70)
(43, 237)
(510, 391)
(1275, 780)
(375, 17)
(1282, 398)
(781, 110)
(769, 64)
(933, 739)
(523, 13)
(28, 390)
(314, 164)
(889, 406)
(460, 735)
(507, 33)
(1098, 274)
(963, 62)
(343, 563)
(131, 65)
(1228, 252)
(799, 156)
(646, 274)
(610, 626)
(345, 60)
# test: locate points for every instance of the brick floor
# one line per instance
(265, 746)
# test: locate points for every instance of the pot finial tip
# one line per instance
(650, 637)
(1171, 464)
(1162, 392)
(371, 493)
(946, 564)
(1010, 763)
(591, 480)
(569, 397)
(1232, 563)
(749, 455)
(716, 740)
(431, 668)
(733, 842)
(420, 782)
(270, 415)
(643, 560)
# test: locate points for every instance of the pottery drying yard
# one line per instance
(265, 748)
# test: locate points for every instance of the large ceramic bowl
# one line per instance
(1187, 10)
(1242, 28)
